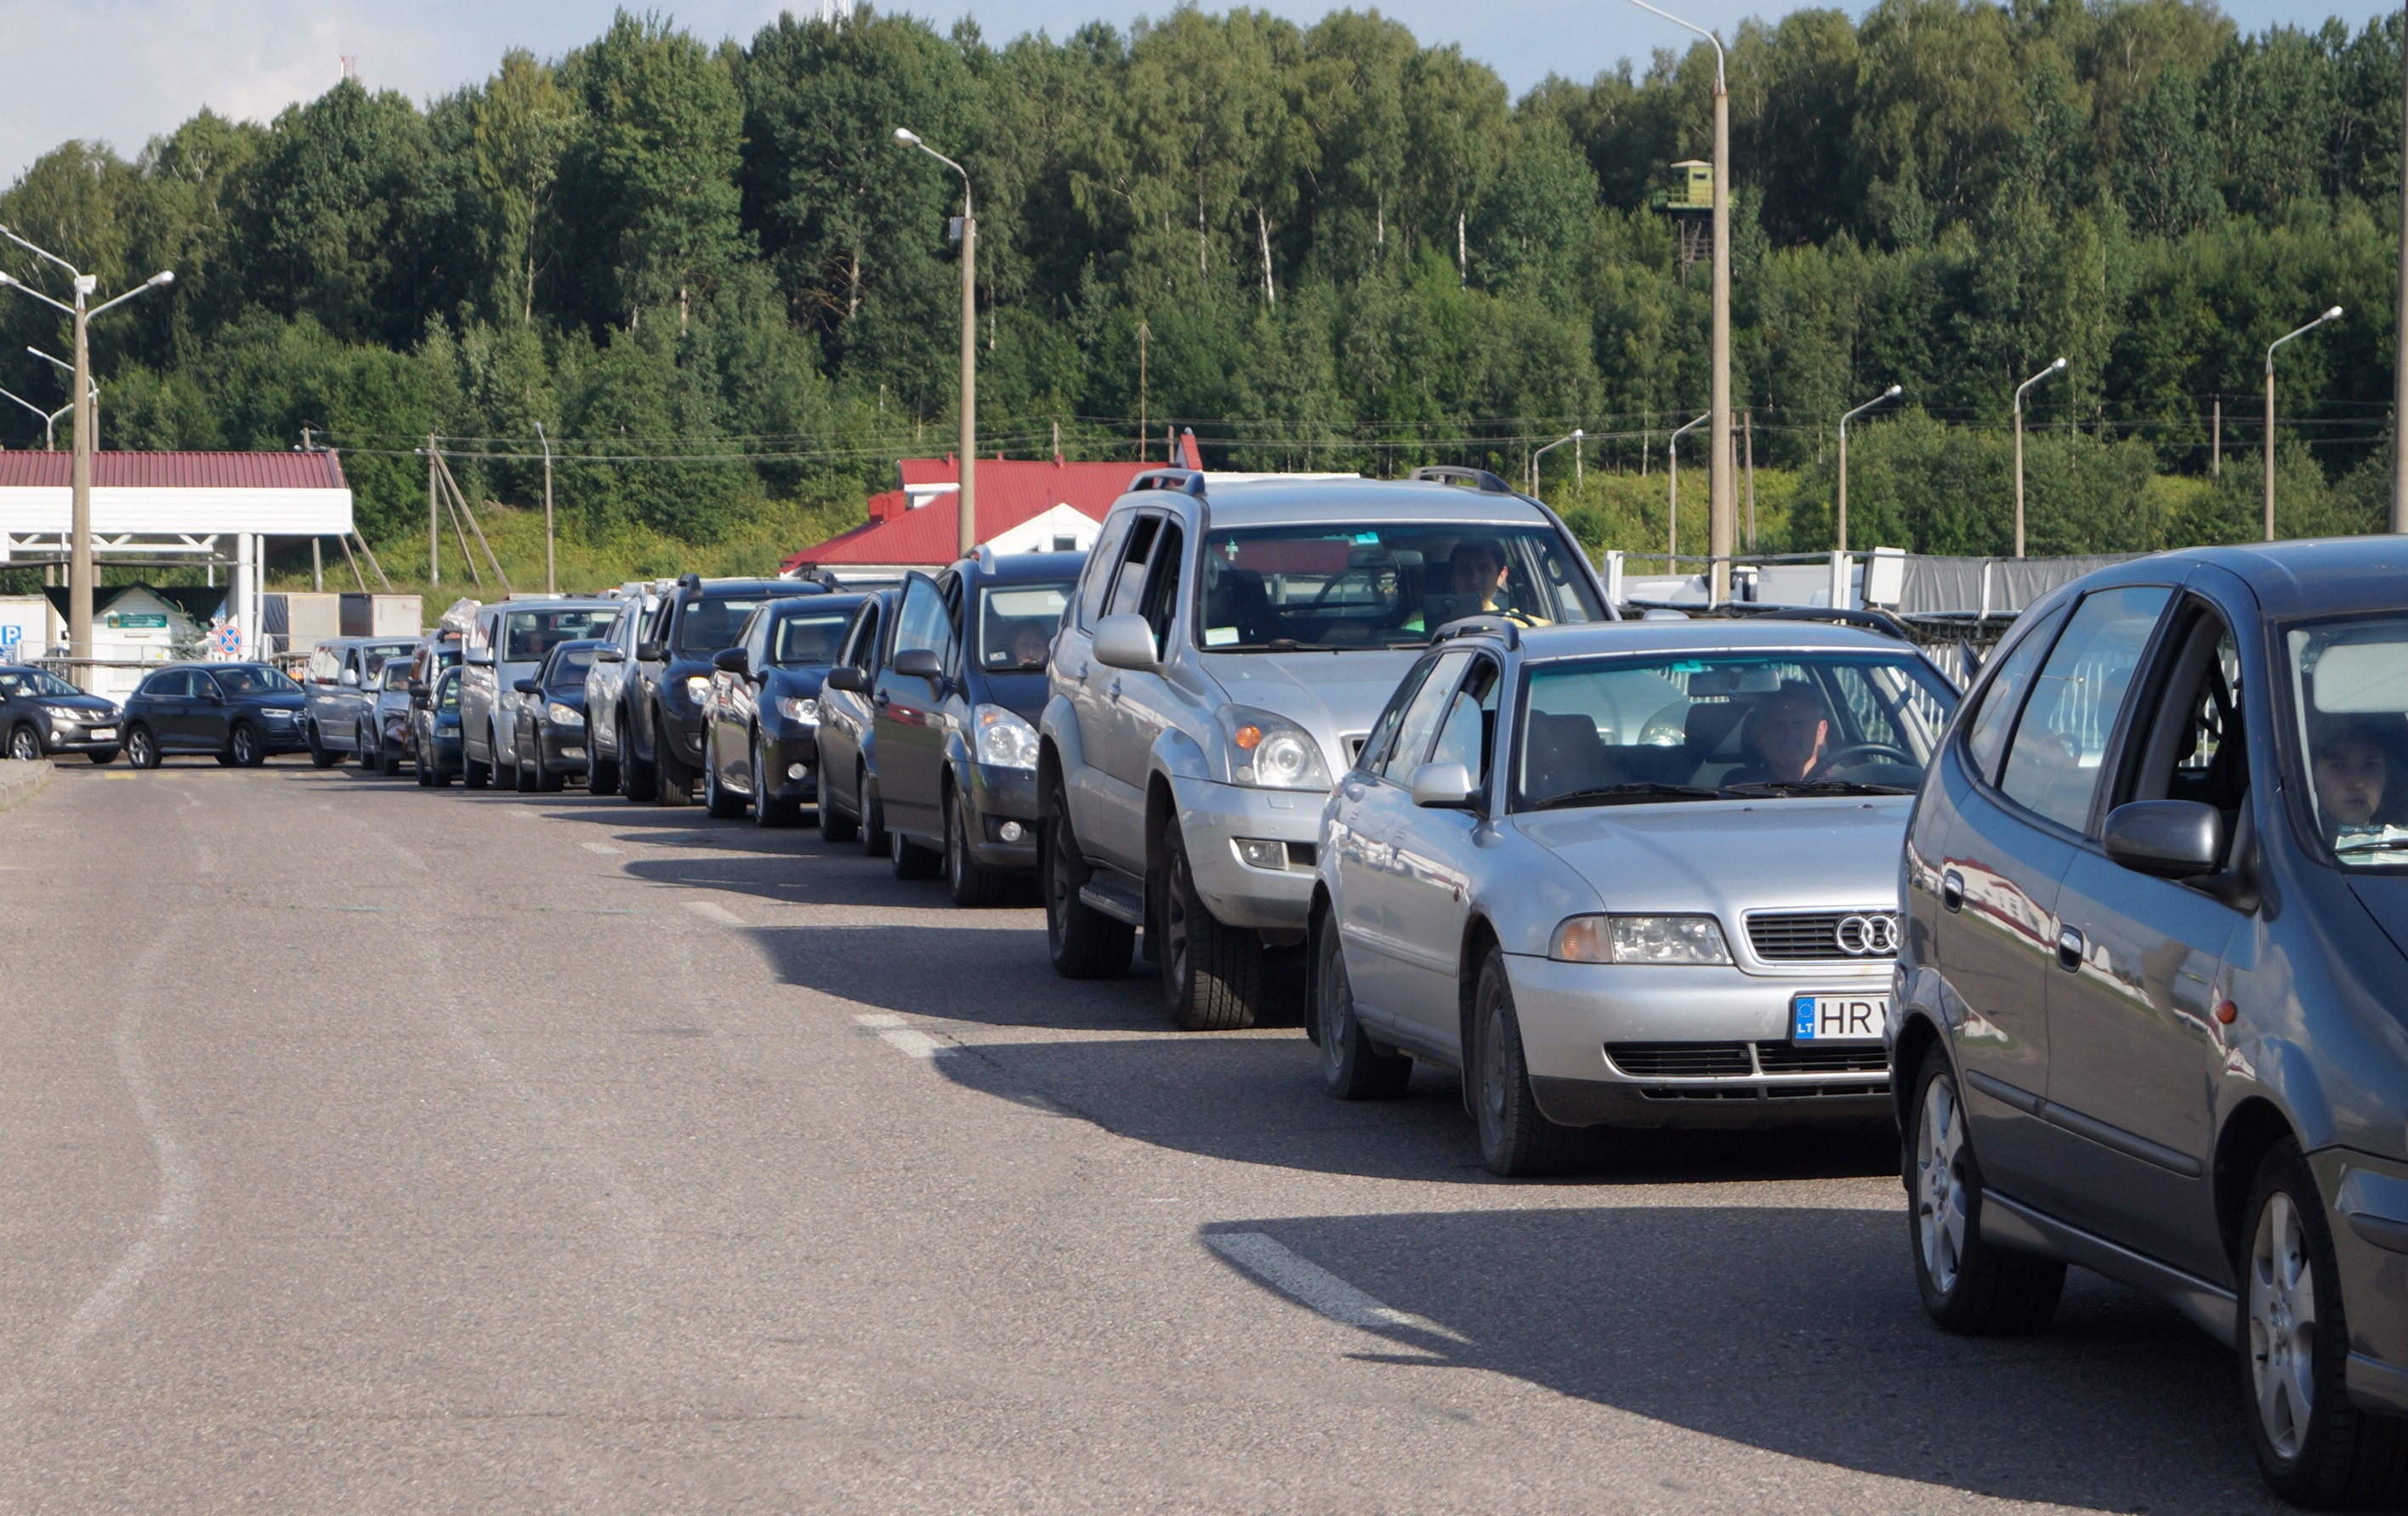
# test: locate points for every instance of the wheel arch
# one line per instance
(1917, 1037)
(1480, 935)
(2255, 1125)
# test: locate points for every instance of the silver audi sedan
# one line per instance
(1634, 875)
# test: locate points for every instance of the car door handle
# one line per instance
(1951, 892)
(2070, 947)
(1352, 789)
(878, 700)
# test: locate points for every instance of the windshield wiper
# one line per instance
(1289, 644)
(2388, 840)
(1814, 787)
(1613, 794)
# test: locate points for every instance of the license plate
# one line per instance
(1838, 1018)
(103, 733)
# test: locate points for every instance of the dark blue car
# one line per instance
(240, 714)
(761, 721)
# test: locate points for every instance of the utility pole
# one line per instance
(2332, 315)
(551, 558)
(2056, 368)
(1747, 433)
(967, 494)
(2400, 340)
(2215, 440)
(434, 529)
(1144, 336)
(79, 562)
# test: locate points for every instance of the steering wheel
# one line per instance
(1370, 582)
(1899, 755)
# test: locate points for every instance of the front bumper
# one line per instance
(284, 736)
(82, 739)
(2366, 1214)
(682, 736)
(996, 795)
(561, 749)
(782, 754)
(1211, 817)
(1705, 1047)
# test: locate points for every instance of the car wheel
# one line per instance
(676, 783)
(1516, 1139)
(913, 860)
(1351, 1068)
(26, 745)
(106, 755)
(473, 775)
(141, 748)
(506, 774)
(873, 818)
(371, 755)
(766, 811)
(838, 826)
(638, 781)
(541, 777)
(2314, 1448)
(1211, 974)
(1083, 941)
(1969, 1286)
(425, 769)
(321, 754)
(601, 774)
(243, 749)
(971, 884)
(717, 802)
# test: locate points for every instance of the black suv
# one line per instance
(662, 702)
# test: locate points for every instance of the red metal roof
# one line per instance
(1009, 491)
(178, 470)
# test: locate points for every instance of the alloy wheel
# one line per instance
(243, 745)
(2282, 1325)
(23, 746)
(1174, 927)
(138, 749)
(1940, 1219)
(1337, 1001)
(1494, 1076)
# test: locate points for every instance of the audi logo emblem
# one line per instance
(1861, 937)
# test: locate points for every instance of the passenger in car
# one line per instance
(1477, 567)
(2350, 772)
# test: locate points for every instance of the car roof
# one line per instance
(1601, 638)
(2312, 575)
(842, 600)
(1285, 502)
(783, 589)
(1024, 567)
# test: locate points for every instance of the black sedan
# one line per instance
(550, 736)
(760, 724)
(44, 715)
(240, 714)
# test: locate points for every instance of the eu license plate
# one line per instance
(1838, 1018)
(103, 733)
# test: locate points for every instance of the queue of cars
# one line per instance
(2112, 938)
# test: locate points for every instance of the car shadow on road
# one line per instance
(1799, 1331)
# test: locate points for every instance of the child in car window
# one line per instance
(2350, 771)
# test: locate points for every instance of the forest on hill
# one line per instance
(727, 295)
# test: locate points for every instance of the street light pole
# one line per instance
(968, 496)
(2057, 367)
(550, 561)
(1574, 435)
(2400, 340)
(50, 444)
(2332, 315)
(1672, 512)
(79, 567)
(1841, 516)
(1723, 520)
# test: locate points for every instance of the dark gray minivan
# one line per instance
(2150, 1010)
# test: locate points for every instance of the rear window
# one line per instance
(527, 635)
(568, 669)
(809, 638)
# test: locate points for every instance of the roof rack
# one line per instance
(1187, 480)
(1477, 478)
(1870, 621)
(1501, 627)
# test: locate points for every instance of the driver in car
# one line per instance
(1477, 569)
(1029, 646)
(1788, 739)
(2350, 772)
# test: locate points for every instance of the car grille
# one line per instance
(1765, 1092)
(1744, 1060)
(1354, 741)
(1814, 935)
(1790, 1058)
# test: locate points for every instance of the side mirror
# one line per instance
(1127, 642)
(1443, 787)
(416, 687)
(478, 658)
(844, 677)
(528, 686)
(731, 660)
(649, 653)
(2173, 840)
(350, 678)
(919, 663)
(611, 654)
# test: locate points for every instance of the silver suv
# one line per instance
(508, 642)
(1221, 661)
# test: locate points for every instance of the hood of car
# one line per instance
(1731, 857)
(1331, 695)
(272, 700)
(97, 704)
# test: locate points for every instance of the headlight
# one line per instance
(1005, 739)
(800, 708)
(1271, 752)
(1639, 940)
(696, 687)
(277, 715)
(66, 715)
(559, 715)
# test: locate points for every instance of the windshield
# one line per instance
(706, 627)
(568, 669)
(1017, 623)
(395, 674)
(2349, 682)
(447, 695)
(372, 660)
(810, 637)
(1728, 726)
(22, 681)
(1275, 588)
(252, 678)
(528, 635)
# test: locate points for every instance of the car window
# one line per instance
(1468, 734)
(1128, 585)
(2349, 689)
(168, 685)
(448, 696)
(33, 682)
(923, 623)
(527, 635)
(1375, 747)
(2053, 762)
(708, 625)
(1383, 584)
(1160, 606)
(569, 667)
(1420, 720)
(1101, 565)
(1986, 739)
(374, 659)
(807, 637)
(252, 678)
(1017, 623)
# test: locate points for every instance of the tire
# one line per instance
(1211, 974)
(675, 783)
(371, 755)
(1516, 1139)
(141, 748)
(473, 775)
(425, 771)
(25, 744)
(767, 811)
(320, 755)
(105, 756)
(973, 884)
(835, 826)
(874, 840)
(638, 781)
(541, 777)
(912, 860)
(1971, 1287)
(716, 802)
(601, 774)
(506, 776)
(1083, 941)
(1351, 1067)
(243, 749)
(2314, 1447)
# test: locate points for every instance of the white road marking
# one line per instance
(601, 848)
(902, 1036)
(712, 911)
(1311, 1285)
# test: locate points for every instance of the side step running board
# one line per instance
(1119, 901)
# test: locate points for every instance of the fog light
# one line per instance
(1256, 853)
(795, 771)
(1011, 832)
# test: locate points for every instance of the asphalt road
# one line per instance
(368, 1149)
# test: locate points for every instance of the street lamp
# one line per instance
(50, 444)
(1672, 470)
(1723, 522)
(1575, 435)
(80, 569)
(551, 566)
(1884, 398)
(2332, 315)
(967, 498)
(69, 368)
(2057, 367)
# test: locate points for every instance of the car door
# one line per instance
(2135, 1053)
(1137, 703)
(319, 687)
(476, 694)
(911, 742)
(1103, 792)
(1434, 863)
(168, 699)
(740, 706)
(210, 714)
(2016, 832)
(844, 713)
(1373, 907)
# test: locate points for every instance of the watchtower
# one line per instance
(1690, 200)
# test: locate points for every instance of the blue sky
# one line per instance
(121, 70)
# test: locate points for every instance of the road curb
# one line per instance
(18, 782)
